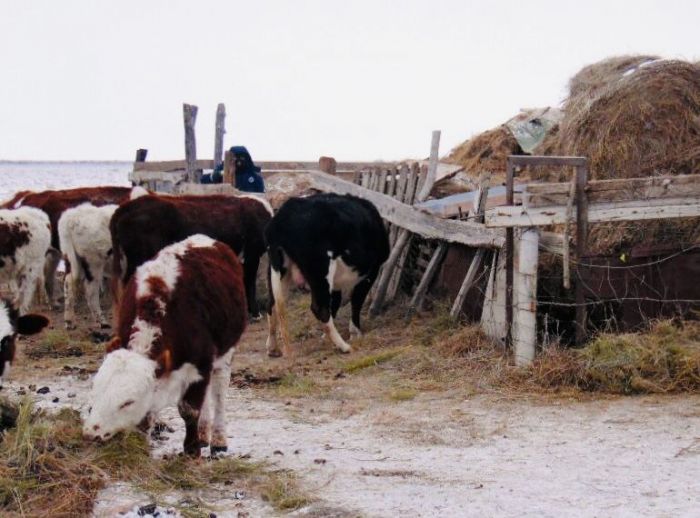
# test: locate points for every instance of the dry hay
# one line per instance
(486, 151)
(638, 120)
(632, 116)
(664, 359)
(48, 469)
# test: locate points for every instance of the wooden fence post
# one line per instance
(141, 155)
(219, 130)
(525, 329)
(581, 246)
(189, 113)
(327, 164)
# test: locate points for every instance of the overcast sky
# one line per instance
(358, 80)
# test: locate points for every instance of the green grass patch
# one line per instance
(371, 360)
(403, 394)
(295, 386)
(58, 344)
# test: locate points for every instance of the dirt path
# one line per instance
(450, 456)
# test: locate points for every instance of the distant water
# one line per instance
(39, 176)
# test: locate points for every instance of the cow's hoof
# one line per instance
(274, 353)
(69, 325)
(216, 451)
(105, 325)
(255, 318)
(345, 350)
(203, 443)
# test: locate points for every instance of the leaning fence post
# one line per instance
(525, 329)
(228, 168)
(189, 113)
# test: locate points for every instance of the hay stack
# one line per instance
(486, 151)
(642, 118)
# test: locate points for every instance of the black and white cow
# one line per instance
(12, 324)
(334, 246)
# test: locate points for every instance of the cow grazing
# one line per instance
(24, 240)
(333, 245)
(83, 233)
(142, 227)
(12, 324)
(181, 315)
(54, 203)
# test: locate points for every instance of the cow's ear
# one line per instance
(114, 344)
(31, 324)
(165, 363)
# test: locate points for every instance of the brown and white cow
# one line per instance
(181, 315)
(83, 233)
(12, 324)
(24, 240)
(54, 203)
(142, 227)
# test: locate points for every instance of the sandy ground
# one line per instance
(441, 454)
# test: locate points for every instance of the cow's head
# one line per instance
(122, 394)
(11, 324)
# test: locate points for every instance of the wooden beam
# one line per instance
(416, 303)
(600, 212)
(626, 189)
(525, 329)
(428, 226)
(141, 155)
(219, 130)
(535, 160)
(189, 115)
(581, 247)
(383, 282)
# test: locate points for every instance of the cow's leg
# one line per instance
(277, 313)
(250, 277)
(204, 425)
(190, 407)
(53, 257)
(92, 294)
(70, 285)
(321, 308)
(357, 299)
(221, 378)
(27, 285)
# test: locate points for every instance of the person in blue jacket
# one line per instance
(248, 177)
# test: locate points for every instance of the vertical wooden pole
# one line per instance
(581, 246)
(189, 113)
(525, 337)
(219, 130)
(228, 168)
(510, 171)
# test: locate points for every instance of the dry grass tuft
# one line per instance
(665, 359)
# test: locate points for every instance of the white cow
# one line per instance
(25, 237)
(83, 233)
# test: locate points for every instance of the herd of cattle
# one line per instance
(183, 275)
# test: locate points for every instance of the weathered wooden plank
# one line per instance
(416, 303)
(627, 189)
(597, 213)
(391, 181)
(189, 115)
(229, 166)
(407, 217)
(160, 176)
(525, 325)
(432, 167)
(381, 182)
(219, 130)
(383, 282)
(581, 247)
